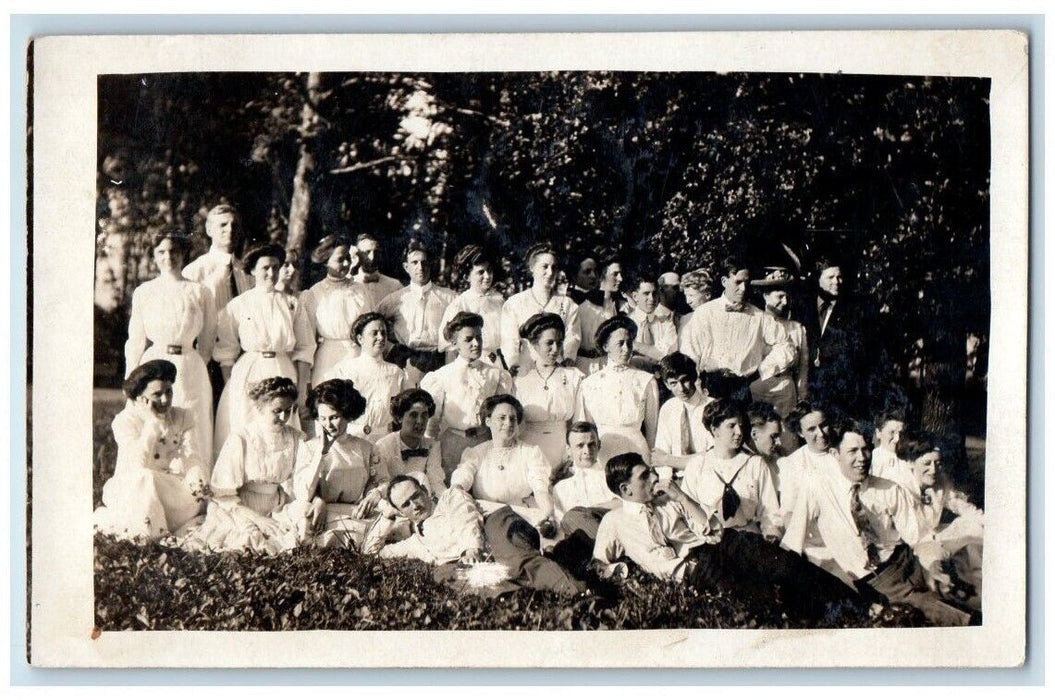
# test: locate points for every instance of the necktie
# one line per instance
(410, 453)
(418, 329)
(654, 527)
(327, 443)
(687, 448)
(231, 279)
(734, 308)
(864, 527)
(730, 498)
(826, 307)
(645, 336)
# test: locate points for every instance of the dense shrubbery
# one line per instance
(159, 587)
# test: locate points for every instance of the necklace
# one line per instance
(545, 380)
(541, 305)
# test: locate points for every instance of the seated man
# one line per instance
(583, 496)
(680, 432)
(870, 529)
(668, 535)
(453, 529)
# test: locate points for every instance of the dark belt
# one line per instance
(267, 354)
(174, 349)
(589, 354)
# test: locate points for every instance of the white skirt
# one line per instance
(235, 408)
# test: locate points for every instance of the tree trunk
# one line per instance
(300, 202)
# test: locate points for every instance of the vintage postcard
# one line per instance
(529, 350)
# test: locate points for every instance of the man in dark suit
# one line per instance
(841, 346)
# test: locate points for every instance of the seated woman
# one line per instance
(506, 471)
(158, 482)
(335, 483)
(378, 381)
(621, 401)
(407, 449)
(946, 517)
(253, 476)
(548, 391)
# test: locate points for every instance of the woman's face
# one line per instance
(694, 297)
(613, 278)
(481, 277)
(549, 346)
(373, 338)
(729, 434)
(157, 396)
(544, 270)
(168, 256)
(619, 347)
(265, 272)
(331, 422)
(777, 300)
(415, 420)
(503, 423)
(288, 272)
(469, 342)
(339, 262)
(926, 468)
(275, 412)
(813, 428)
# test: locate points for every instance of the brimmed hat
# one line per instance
(775, 278)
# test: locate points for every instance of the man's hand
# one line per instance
(367, 505)
(669, 488)
(471, 556)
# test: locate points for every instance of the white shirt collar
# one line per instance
(419, 290)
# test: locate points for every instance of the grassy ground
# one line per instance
(160, 587)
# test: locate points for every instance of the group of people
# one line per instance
(458, 428)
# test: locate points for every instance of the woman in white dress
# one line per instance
(476, 264)
(621, 401)
(540, 297)
(548, 391)
(507, 471)
(378, 381)
(337, 477)
(253, 478)
(329, 308)
(174, 319)
(258, 339)
(158, 482)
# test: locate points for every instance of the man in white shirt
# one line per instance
(735, 342)
(416, 312)
(870, 528)
(656, 336)
(377, 285)
(680, 432)
(453, 529)
(220, 271)
(668, 535)
(583, 496)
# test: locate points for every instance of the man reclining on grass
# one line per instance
(453, 530)
(668, 535)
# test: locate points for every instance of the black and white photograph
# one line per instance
(555, 350)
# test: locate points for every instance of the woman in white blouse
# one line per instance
(174, 319)
(505, 470)
(329, 308)
(540, 297)
(378, 381)
(258, 339)
(478, 266)
(621, 401)
(548, 391)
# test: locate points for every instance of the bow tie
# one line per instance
(372, 278)
(926, 497)
(414, 452)
(734, 308)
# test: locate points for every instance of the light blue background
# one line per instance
(24, 27)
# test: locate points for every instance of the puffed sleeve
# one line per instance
(572, 330)
(207, 334)
(228, 347)
(434, 470)
(781, 355)
(651, 411)
(304, 336)
(510, 333)
(464, 476)
(228, 474)
(135, 437)
(433, 384)
(695, 339)
(306, 470)
(137, 334)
